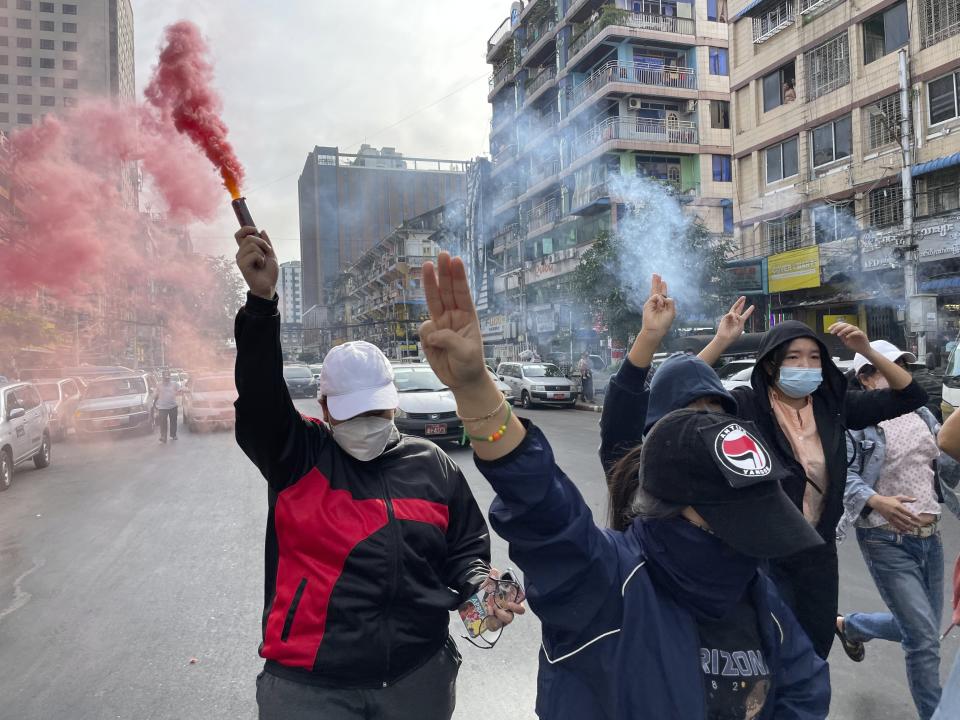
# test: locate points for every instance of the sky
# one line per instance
(298, 73)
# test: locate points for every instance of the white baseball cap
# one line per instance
(890, 351)
(357, 378)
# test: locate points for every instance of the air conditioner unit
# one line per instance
(634, 103)
(691, 106)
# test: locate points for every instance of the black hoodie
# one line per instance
(835, 409)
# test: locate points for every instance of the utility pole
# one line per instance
(911, 257)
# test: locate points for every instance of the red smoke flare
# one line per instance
(181, 90)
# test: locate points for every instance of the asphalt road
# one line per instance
(131, 587)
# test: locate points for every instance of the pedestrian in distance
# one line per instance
(670, 619)
(166, 406)
(586, 377)
(798, 399)
(895, 484)
(372, 536)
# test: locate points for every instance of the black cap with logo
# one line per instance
(717, 464)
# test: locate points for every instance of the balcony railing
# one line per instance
(637, 21)
(539, 30)
(543, 215)
(507, 235)
(683, 132)
(504, 155)
(503, 71)
(683, 78)
(584, 196)
(498, 35)
(773, 21)
(540, 171)
(542, 78)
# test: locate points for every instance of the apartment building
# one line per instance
(290, 291)
(817, 128)
(583, 91)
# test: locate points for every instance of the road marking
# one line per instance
(20, 597)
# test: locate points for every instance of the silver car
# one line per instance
(427, 407)
(23, 430)
(538, 384)
(208, 402)
(61, 398)
(118, 403)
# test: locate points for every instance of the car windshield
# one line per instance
(297, 372)
(113, 388)
(417, 380)
(543, 370)
(49, 391)
(953, 364)
(214, 384)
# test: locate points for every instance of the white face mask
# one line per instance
(365, 437)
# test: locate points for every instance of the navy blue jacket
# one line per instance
(615, 646)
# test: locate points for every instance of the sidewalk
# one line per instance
(588, 407)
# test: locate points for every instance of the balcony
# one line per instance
(773, 21)
(635, 21)
(538, 32)
(503, 72)
(543, 215)
(539, 81)
(678, 78)
(507, 236)
(542, 175)
(640, 130)
(590, 198)
(496, 40)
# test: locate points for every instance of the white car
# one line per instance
(538, 383)
(208, 401)
(736, 373)
(502, 387)
(23, 430)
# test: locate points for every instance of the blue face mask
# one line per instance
(796, 382)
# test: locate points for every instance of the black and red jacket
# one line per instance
(364, 560)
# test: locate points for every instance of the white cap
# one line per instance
(357, 378)
(890, 351)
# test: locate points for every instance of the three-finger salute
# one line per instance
(257, 261)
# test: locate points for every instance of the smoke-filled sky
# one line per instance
(300, 73)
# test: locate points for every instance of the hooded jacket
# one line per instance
(631, 407)
(617, 645)
(835, 410)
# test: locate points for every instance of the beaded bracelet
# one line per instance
(496, 435)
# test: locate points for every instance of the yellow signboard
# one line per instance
(829, 320)
(794, 270)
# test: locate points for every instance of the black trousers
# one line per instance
(171, 417)
(428, 693)
(809, 583)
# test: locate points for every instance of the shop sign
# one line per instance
(746, 278)
(544, 320)
(554, 264)
(492, 327)
(936, 238)
(794, 270)
(829, 320)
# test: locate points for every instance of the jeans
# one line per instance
(908, 571)
(171, 416)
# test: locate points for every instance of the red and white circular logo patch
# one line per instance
(741, 453)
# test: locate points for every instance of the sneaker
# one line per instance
(854, 650)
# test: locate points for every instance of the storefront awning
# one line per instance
(938, 164)
(846, 298)
(947, 283)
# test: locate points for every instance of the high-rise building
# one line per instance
(583, 91)
(818, 124)
(350, 202)
(53, 53)
(290, 290)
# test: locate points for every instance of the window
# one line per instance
(722, 168)
(885, 206)
(24, 99)
(24, 118)
(4, 117)
(827, 66)
(942, 95)
(4, 41)
(24, 24)
(48, 100)
(719, 64)
(48, 63)
(69, 45)
(780, 87)
(4, 22)
(4, 59)
(882, 122)
(938, 192)
(782, 160)
(834, 221)
(24, 61)
(717, 10)
(4, 79)
(69, 102)
(69, 27)
(728, 218)
(939, 20)
(24, 43)
(25, 80)
(885, 32)
(24, 5)
(69, 64)
(47, 7)
(46, 44)
(5, 98)
(47, 82)
(70, 84)
(69, 9)
(720, 114)
(48, 26)
(783, 234)
(832, 141)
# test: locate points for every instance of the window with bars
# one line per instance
(48, 63)
(881, 124)
(938, 192)
(939, 20)
(46, 44)
(48, 100)
(885, 206)
(772, 20)
(827, 66)
(783, 234)
(24, 43)
(834, 221)
(48, 26)
(25, 80)
(47, 82)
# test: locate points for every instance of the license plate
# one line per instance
(436, 429)
(114, 423)
(559, 396)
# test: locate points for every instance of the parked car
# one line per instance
(300, 381)
(24, 434)
(736, 373)
(538, 383)
(208, 401)
(315, 369)
(427, 407)
(61, 398)
(503, 387)
(117, 403)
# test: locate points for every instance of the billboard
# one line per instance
(794, 270)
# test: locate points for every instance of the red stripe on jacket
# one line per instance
(423, 511)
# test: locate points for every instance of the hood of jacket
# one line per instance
(679, 381)
(834, 385)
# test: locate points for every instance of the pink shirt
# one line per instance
(801, 430)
